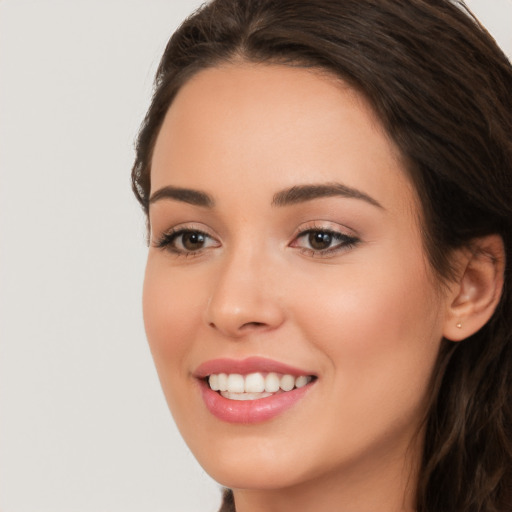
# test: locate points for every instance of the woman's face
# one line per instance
(285, 241)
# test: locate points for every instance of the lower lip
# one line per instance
(250, 411)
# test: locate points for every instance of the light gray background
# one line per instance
(83, 423)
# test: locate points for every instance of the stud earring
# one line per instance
(459, 325)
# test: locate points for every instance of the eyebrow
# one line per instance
(293, 195)
(185, 195)
(303, 193)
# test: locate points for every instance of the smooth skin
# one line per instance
(244, 275)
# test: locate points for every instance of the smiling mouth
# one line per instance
(254, 386)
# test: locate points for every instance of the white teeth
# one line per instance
(287, 382)
(236, 383)
(244, 396)
(254, 385)
(214, 382)
(301, 381)
(272, 382)
(223, 382)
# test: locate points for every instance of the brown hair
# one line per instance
(443, 91)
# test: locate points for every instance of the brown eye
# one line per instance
(323, 242)
(320, 240)
(186, 242)
(193, 240)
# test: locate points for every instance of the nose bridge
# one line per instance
(243, 297)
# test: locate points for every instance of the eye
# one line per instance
(320, 240)
(323, 242)
(186, 241)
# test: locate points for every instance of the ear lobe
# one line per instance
(477, 291)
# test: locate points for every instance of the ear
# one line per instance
(476, 293)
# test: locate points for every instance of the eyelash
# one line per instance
(168, 242)
(345, 242)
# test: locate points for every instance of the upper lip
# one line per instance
(246, 366)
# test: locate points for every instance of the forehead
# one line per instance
(263, 126)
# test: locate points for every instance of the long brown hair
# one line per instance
(443, 91)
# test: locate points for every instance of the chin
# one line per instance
(250, 462)
(254, 475)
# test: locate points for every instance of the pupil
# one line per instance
(319, 240)
(191, 241)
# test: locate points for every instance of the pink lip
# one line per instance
(248, 411)
(245, 366)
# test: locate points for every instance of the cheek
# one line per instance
(172, 312)
(393, 294)
(380, 327)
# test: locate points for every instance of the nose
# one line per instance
(245, 296)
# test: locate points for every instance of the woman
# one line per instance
(327, 294)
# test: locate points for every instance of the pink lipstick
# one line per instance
(251, 390)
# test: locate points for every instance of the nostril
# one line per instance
(249, 325)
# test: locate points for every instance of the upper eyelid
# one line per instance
(321, 230)
(340, 231)
(183, 227)
(302, 229)
(335, 233)
(328, 226)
